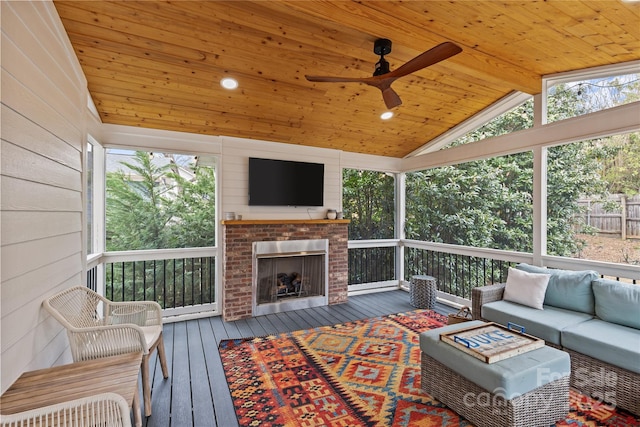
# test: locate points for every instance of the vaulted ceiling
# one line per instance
(159, 64)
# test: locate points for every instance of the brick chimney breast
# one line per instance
(238, 238)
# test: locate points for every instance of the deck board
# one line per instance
(161, 388)
(220, 397)
(202, 402)
(272, 325)
(181, 379)
(196, 393)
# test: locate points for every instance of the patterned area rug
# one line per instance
(362, 373)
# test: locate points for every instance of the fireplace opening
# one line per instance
(289, 275)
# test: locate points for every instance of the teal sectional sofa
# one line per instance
(597, 321)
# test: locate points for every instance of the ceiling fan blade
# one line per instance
(391, 98)
(439, 53)
(330, 79)
(383, 82)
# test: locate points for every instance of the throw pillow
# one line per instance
(567, 289)
(526, 288)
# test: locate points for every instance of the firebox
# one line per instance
(289, 275)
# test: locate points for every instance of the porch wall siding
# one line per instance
(235, 172)
(43, 115)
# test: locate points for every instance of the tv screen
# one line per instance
(285, 183)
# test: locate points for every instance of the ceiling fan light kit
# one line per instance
(382, 77)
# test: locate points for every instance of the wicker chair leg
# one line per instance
(146, 381)
(135, 407)
(163, 358)
(146, 385)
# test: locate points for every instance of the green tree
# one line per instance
(488, 203)
(368, 200)
(152, 206)
(137, 209)
(194, 210)
(622, 164)
(574, 170)
(481, 204)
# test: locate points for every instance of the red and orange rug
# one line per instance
(362, 373)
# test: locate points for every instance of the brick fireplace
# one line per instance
(237, 271)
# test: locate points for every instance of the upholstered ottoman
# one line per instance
(530, 389)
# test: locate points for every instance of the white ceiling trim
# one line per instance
(614, 121)
(503, 105)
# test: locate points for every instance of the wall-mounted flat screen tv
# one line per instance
(285, 183)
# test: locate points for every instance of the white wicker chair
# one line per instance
(101, 410)
(114, 328)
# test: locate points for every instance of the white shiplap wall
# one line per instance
(43, 116)
(235, 171)
(232, 163)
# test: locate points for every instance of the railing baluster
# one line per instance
(193, 295)
(155, 281)
(174, 284)
(123, 282)
(210, 276)
(471, 260)
(144, 280)
(203, 285)
(461, 278)
(111, 296)
(164, 283)
(366, 266)
(184, 294)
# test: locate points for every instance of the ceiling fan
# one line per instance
(382, 77)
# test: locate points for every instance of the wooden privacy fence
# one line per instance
(623, 221)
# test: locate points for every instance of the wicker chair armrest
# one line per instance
(103, 341)
(152, 316)
(105, 409)
(483, 295)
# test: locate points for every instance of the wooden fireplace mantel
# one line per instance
(283, 221)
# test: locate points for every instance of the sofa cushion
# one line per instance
(614, 344)
(509, 377)
(525, 288)
(567, 289)
(545, 324)
(617, 302)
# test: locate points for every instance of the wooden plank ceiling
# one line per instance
(158, 64)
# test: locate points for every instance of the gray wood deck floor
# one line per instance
(196, 392)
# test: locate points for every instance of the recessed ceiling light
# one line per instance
(229, 83)
(386, 115)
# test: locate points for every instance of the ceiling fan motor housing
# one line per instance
(382, 47)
